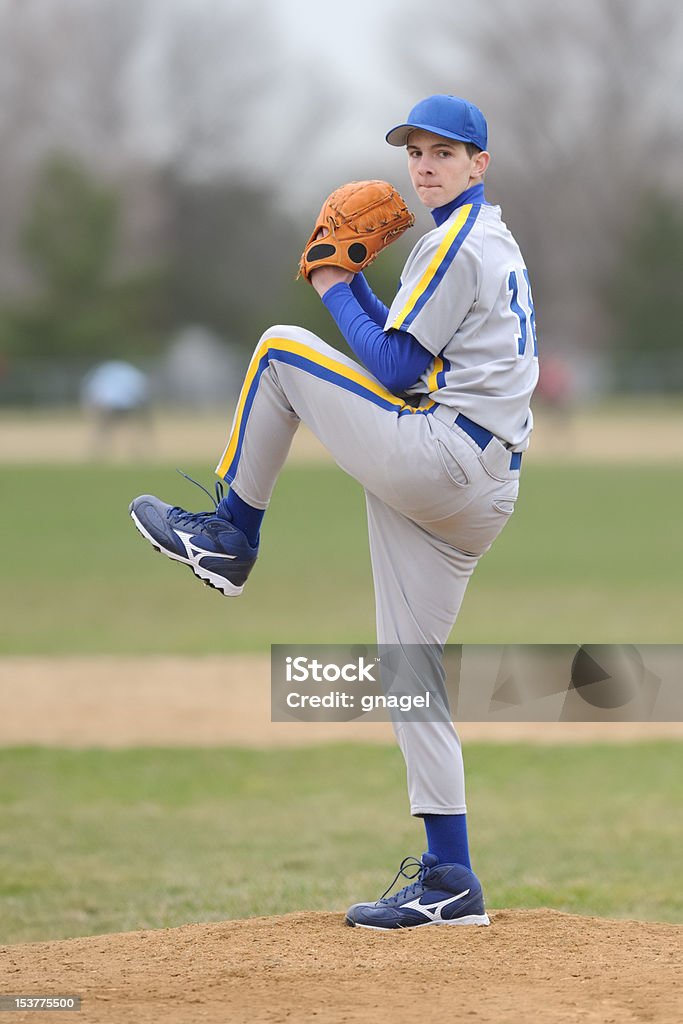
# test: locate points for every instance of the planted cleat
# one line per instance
(442, 894)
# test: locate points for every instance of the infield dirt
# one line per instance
(638, 431)
(529, 965)
(215, 700)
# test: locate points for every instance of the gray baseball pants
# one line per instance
(435, 504)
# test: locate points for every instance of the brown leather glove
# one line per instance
(355, 223)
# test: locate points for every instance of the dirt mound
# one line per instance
(118, 701)
(534, 964)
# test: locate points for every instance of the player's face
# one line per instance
(440, 169)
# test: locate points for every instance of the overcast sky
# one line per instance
(347, 52)
(345, 48)
(329, 67)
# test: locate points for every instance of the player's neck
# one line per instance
(473, 194)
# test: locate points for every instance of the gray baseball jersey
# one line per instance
(465, 295)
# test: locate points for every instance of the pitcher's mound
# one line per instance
(530, 966)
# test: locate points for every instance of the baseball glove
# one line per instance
(355, 223)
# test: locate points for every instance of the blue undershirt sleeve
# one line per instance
(369, 302)
(395, 358)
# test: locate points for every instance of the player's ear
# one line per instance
(480, 163)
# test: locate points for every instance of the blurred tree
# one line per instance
(61, 87)
(211, 84)
(122, 80)
(81, 305)
(231, 252)
(583, 100)
(70, 235)
(646, 300)
(129, 87)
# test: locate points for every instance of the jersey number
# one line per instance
(521, 313)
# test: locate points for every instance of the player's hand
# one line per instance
(324, 278)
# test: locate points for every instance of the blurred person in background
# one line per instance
(115, 396)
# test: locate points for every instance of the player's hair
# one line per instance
(471, 149)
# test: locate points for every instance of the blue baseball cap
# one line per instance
(450, 116)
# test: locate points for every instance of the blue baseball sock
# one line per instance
(447, 838)
(245, 517)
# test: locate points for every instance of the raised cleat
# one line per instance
(216, 551)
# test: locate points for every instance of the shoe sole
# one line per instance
(209, 579)
(476, 919)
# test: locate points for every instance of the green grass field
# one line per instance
(98, 841)
(593, 554)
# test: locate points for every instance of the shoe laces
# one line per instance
(181, 515)
(410, 868)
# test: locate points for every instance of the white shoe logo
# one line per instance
(194, 553)
(433, 910)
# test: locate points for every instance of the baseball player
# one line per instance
(432, 420)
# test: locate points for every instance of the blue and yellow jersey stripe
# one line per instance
(296, 353)
(438, 265)
(437, 376)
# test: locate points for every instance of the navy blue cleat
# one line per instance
(442, 894)
(216, 551)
